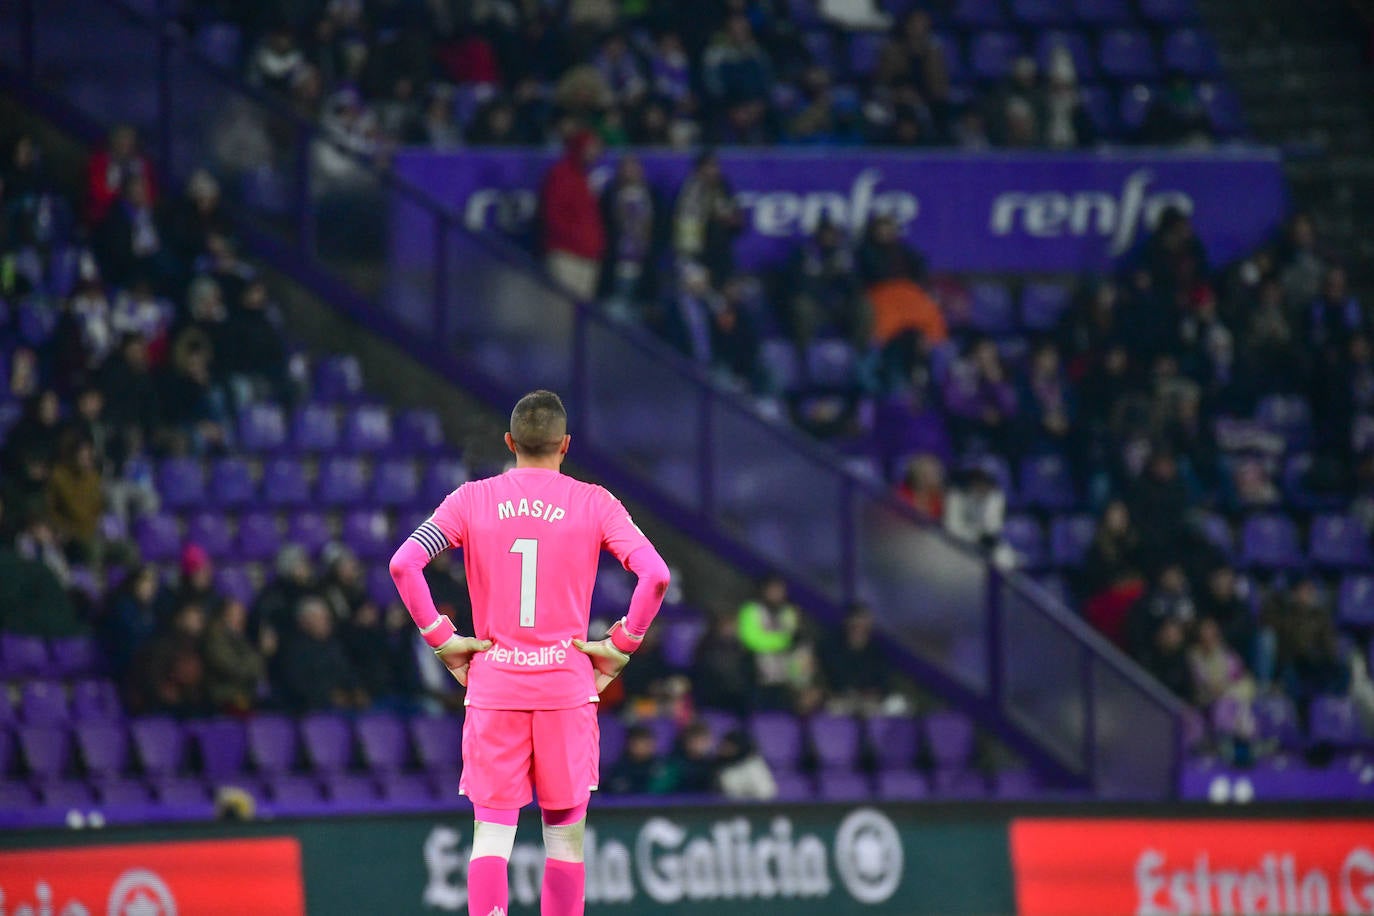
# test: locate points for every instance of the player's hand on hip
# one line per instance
(457, 652)
(607, 660)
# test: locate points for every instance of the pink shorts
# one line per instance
(506, 751)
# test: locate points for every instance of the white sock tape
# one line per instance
(564, 841)
(492, 840)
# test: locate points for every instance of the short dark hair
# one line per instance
(538, 423)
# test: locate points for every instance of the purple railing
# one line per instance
(655, 425)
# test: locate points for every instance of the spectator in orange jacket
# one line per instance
(907, 326)
(574, 233)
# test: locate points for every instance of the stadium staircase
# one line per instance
(1300, 70)
(655, 428)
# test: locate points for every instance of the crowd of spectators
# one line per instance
(441, 74)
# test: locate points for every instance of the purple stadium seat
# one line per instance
(262, 428)
(438, 741)
(949, 735)
(955, 63)
(1046, 483)
(831, 364)
(1216, 530)
(161, 744)
(1355, 608)
(395, 483)
(418, 432)
(1333, 721)
(259, 536)
(1191, 53)
(781, 364)
(22, 656)
(612, 740)
(1042, 13)
(1027, 538)
(793, 787)
(407, 788)
(158, 537)
(104, 748)
(285, 483)
(211, 531)
(272, 743)
(864, 51)
(843, 786)
(991, 308)
(1134, 105)
(680, 641)
(43, 703)
(231, 483)
(1100, 104)
(235, 583)
(979, 14)
(1169, 12)
(123, 793)
(342, 481)
(902, 785)
(309, 529)
(1081, 52)
(894, 741)
(297, 792)
(368, 533)
(382, 738)
(180, 791)
(338, 378)
(665, 732)
(328, 741)
(1127, 54)
(1013, 784)
(1276, 719)
(315, 428)
(66, 794)
(1270, 541)
(367, 429)
(1224, 108)
(991, 54)
(223, 747)
(380, 588)
(46, 749)
(835, 741)
(1290, 415)
(778, 738)
(441, 478)
(820, 48)
(1339, 541)
(1070, 536)
(16, 796)
(719, 722)
(957, 782)
(95, 699)
(181, 483)
(350, 789)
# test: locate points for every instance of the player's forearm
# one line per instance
(648, 594)
(408, 572)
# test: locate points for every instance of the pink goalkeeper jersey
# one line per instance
(531, 540)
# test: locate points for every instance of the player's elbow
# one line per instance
(401, 565)
(658, 577)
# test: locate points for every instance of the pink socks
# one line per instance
(488, 890)
(564, 890)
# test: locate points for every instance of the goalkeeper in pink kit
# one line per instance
(531, 539)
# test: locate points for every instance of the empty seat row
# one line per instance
(318, 427)
(34, 656)
(253, 536)
(43, 701)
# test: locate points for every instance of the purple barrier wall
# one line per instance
(1035, 212)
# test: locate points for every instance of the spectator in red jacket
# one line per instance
(110, 170)
(574, 234)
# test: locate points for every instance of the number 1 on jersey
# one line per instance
(528, 548)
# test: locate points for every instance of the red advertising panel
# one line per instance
(212, 877)
(1166, 867)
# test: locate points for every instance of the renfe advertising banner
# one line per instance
(197, 878)
(974, 212)
(1174, 867)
